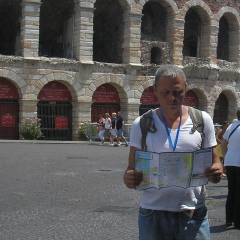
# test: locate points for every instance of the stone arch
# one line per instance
(56, 39)
(118, 81)
(233, 20)
(232, 101)
(228, 90)
(170, 4)
(16, 79)
(63, 77)
(10, 15)
(230, 94)
(205, 14)
(90, 3)
(172, 11)
(139, 91)
(203, 9)
(201, 95)
(231, 15)
(108, 31)
(124, 3)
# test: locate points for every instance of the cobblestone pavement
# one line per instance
(75, 191)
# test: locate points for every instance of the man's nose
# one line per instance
(171, 96)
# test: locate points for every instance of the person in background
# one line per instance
(173, 213)
(107, 127)
(231, 152)
(120, 129)
(219, 137)
(113, 130)
(101, 129)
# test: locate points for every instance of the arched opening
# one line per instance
(192, 34)
(221, 109)
(9, 110)
(56, 28)
(156, 55)
(148, 101)
(108, 30)
(10, 14)
(55, 111)
(105, 100)
(190, 99)
(223, 40)
(154, 22)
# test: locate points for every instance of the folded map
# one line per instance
(182, 169)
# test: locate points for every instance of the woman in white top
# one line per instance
(231, 150)
(108, 126)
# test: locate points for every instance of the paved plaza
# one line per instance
(75, 191)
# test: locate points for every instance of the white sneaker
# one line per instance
(101, 144)
(110, 145)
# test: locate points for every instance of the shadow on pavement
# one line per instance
(217, 197)
(218, 229)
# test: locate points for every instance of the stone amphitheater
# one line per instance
(69, 61)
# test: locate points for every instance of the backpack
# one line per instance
(147, 125)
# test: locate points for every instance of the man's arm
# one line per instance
(214, 173)
(131, 177)
(224, 146)
(219, 135)
(122, 124)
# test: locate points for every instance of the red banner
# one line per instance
(148, 97)
(190, 99)
(55, 91)
(7, 90)
(8, 120)
(106, 93)
(61, 122)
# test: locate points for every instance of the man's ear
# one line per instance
(186, 87)
(155, 89)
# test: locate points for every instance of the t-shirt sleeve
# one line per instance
(228, 131)
(135, 134)
(210, 138)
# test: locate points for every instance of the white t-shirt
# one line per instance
(108, 123)
(232, 157)
(173, 198)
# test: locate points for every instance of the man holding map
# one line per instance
(173, 212)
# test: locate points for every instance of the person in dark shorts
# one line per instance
(120, 129)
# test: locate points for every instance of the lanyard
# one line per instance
(168, 133)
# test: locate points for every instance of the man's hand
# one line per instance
(132, 178)
(214, 173)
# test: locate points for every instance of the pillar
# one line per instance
(83, 34)
(82, 113)
(132, 38)
(30, 28)
(178, 41)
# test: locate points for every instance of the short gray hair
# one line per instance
(169, 71)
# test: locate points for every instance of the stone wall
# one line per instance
(207, 76)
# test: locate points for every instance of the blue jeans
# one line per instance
(163, 225)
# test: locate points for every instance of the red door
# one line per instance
(9, 110)
(105, 100)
